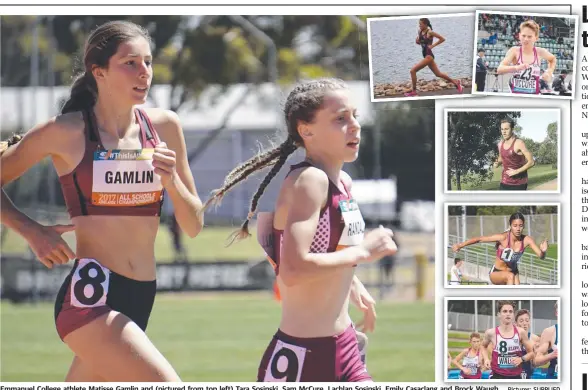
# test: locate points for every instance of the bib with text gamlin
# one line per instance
(354, 224)
(125, 178)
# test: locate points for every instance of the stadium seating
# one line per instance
(497, 43)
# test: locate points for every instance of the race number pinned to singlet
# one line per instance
(473, 368)
(354, 224)
(286, 363)
(125, 178)
(506, 361)
(265, 235)
(506, 255)
(526, 80)
(89, 284)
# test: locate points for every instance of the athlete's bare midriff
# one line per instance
(319, 308)
(123, 244)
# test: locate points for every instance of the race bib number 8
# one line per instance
(89, 284)
(124, 178)
(286, 363)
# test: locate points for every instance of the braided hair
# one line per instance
(301, 106)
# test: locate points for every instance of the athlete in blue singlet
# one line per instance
(523, 320)
(548, 349)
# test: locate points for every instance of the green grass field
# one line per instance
(218, 337)
(538, 175)
(208, 245)
(459, 335)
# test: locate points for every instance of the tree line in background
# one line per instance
(191, 53)
(472, 145)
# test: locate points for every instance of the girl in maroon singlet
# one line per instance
(314, 239)
(524, 62)
(470, 361)
(510, 247)
(425, 39)
(114, 164)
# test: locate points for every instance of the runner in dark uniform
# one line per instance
(548, 349)
(425, 39)
(523, 320)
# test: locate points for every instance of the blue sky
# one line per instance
(534, 123)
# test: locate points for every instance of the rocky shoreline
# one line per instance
(423, 86)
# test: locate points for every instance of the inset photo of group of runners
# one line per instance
(510, 339)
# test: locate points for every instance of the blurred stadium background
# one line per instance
(226, 78)
(541, 223)
(499, 32)
(465, 317)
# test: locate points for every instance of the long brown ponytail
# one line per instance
(101, 45)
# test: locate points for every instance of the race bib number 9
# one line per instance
(354, 224)
(89, 284)
(286, 363)
(124, 178)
